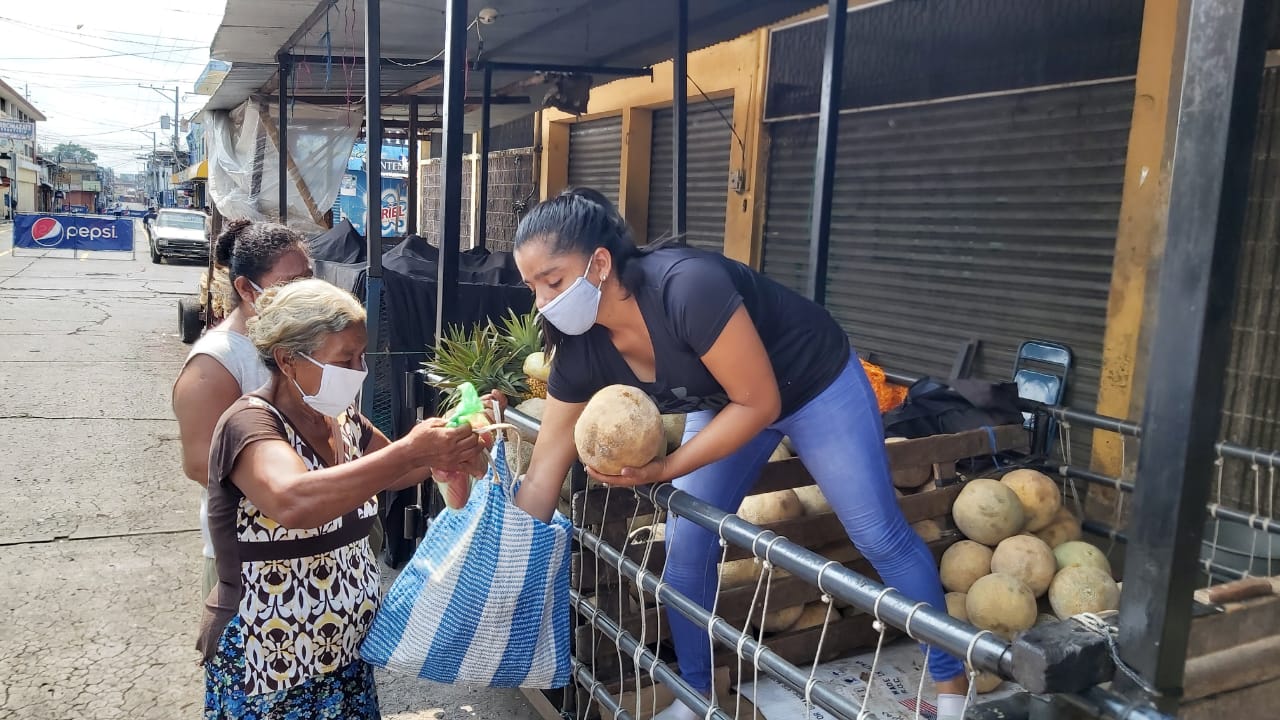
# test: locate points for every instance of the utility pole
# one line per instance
(176, 96)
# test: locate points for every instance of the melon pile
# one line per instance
(1023, 555)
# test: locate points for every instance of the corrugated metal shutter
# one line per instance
(1251, 405)
(710, 144)
(991, 218)
(595, 155)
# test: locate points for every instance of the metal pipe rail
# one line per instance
(627, 643)
(770, 662)
(585, 679)
(1111, 533)
(1252, 520)
(927, 624)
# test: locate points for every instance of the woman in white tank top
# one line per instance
(223, 364)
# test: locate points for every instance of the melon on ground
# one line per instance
(928, 530)
(1064, 528)
(780, 453)
(1002, 604)
(619, 428)
(814, 502)
(1078, 552)
(963, 563)
(955, 606)
(769, 508)
(1027, 558)
(1083, 589)
(987, 511)
(1039, 495)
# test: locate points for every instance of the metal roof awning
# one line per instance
(530, 33)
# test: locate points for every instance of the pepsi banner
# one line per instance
(72, 232)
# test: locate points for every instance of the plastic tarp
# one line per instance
(244, 180)
(342, 244)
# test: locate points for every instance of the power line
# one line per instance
(153, 36)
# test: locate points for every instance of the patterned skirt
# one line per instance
(345, 694)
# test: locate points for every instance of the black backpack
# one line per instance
(936, 408)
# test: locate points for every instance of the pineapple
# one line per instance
(523, 336)
(537, 371)
(482, 357)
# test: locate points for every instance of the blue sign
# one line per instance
(16, 130)
(353, 198)
(78, 208)
(72, 232)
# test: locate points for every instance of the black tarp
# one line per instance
(489, 285)
(342, 244)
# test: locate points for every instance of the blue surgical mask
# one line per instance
(573, 312)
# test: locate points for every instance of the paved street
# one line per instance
(99, 547)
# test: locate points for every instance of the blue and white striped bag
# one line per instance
(485, 599)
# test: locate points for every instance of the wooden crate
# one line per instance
(1233, 660)
(924, 471)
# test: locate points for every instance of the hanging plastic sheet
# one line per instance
(244, 178)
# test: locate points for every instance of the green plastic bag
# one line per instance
(469, 405)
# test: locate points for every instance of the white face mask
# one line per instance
(254, 303)
(338, 387)
(574, 311)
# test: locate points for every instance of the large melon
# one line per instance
(987, 511)
(1002, 604)
(928, 530)
(768, 508)
(1027, 558)
(1078, 552)
(1082, 589)
(1039, 495)
(962, 565)
(1064, 528)
(619, 428)
(908, 476)
(955, 606)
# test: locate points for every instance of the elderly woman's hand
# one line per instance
(437, 445)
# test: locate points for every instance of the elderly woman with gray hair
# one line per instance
(294, 472)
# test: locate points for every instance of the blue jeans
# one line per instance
(839, 438)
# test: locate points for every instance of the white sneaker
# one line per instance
(677, 711)
(950, 707)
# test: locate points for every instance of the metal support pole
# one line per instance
(1220, 51)
(455, 68)
(824, 168)
(482, 204)
(679, 122)
(283, 133)
(411, 216)
(373, 192)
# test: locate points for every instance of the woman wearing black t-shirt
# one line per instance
(749, 361)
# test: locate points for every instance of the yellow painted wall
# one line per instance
(731, 68)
